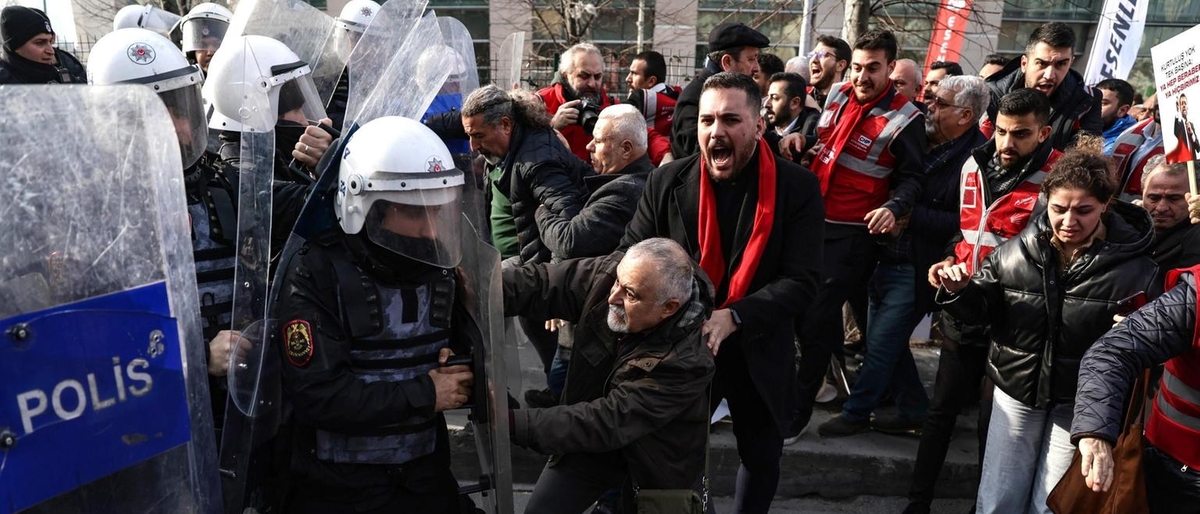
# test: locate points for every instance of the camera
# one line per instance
(589, 112)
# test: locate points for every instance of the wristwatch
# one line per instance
(737, 320)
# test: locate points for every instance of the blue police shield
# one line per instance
(104, 402)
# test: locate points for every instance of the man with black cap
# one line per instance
(28, 55)
(731, 47)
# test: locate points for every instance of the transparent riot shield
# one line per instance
(509, 61)
(105, 396)
(246, 471)
(483, 298)
(305, 29)
(464, 73)
(463, 79)
(396, 81)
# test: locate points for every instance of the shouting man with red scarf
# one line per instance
(753, 223)
(869, 161)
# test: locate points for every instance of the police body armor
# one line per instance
(395, 334)
(213, 218)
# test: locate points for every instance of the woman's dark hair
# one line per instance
(1083, 167)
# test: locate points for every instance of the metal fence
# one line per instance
(80, 49)
(536, 71)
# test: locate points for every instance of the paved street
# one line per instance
(816, 505)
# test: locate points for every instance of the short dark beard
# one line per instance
(776, 122)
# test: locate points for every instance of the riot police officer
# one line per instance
(369, 311)
(142, 56)
(287, 103)
(203, 29)
(349, 26)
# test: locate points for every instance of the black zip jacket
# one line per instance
(1043, 321)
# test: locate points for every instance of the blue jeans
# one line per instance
(557, 378)
(1028, 451)
(891, 317)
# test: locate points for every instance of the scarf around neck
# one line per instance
(712, 259)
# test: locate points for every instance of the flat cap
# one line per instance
(728, 36)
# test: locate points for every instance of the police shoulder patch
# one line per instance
(297, 335)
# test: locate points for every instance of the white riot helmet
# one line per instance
(146, 17)
(223, 123)
(257, 81)
(139, 56)
(357, 15)
(204, 27)
(350, 25)
(398, 182)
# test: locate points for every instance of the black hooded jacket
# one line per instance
(1042, 321)
(15, 69)
(1073, 107)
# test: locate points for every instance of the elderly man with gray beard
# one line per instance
(635, 410)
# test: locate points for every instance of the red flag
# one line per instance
(946, 42)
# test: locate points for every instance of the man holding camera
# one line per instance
(577, 96)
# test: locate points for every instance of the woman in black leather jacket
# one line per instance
(1048, 295)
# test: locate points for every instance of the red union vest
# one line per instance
(660, 109)
(1133, 148)
(984, 227)
(1174, 422)
(858, 182)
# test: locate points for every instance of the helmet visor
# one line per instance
(187, 113)
(299, 101)
(423, 225)
(203, 34)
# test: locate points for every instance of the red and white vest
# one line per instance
(1133, 148)
(659, 108)
(858, 182)
(1174, 422)
(984, 227)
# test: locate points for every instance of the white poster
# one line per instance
(1118, 37)
(1177, 76)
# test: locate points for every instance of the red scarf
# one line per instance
(712, 261)
(845, 125)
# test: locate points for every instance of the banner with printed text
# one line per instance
(1118, 37)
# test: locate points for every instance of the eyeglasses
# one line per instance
(941, 103)
(816, 56)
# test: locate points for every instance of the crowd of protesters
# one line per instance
(1020, 207)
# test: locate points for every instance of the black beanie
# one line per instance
(19, 24)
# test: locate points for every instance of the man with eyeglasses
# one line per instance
(827, 65)
(579, 80)
(1046, 67)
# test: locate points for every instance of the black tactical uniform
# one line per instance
(361, 328)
